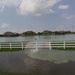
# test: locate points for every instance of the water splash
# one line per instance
(35, 50)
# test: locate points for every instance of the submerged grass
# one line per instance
(36, 73)
(10, 50)
(66, 49)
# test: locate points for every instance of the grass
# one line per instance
(10, 50)
(36, 73)
(66, 49)
(28, 73)
(7, 73)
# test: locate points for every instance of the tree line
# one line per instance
(28, 33)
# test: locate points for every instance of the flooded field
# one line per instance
(43, 62)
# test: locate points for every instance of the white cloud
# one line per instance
(36, 7)
(8, 3)
(63, 7)
(4, 25)
(66, 16)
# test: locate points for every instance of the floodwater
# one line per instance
(42, 61)
(70, 37)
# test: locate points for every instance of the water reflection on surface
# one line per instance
(55, 56)
(70, 37)
(42, 61)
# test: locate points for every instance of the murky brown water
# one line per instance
(22, 62)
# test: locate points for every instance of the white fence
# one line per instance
(11, 45)
(36, 45)
(51, 45)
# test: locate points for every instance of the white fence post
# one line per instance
(36, 46)
(10, 46)
(64, 44)
(50, 45)
(22, 45)
(0, 45)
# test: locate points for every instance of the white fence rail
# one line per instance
(36, 45)
(51, 45)
(11, 45)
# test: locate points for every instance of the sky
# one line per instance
(37, 15)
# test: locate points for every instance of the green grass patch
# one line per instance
(70, 49)
(10, 50)
(6, 73)
(33, 73)
(38, 73)
(28, 73)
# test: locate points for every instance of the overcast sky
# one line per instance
(36, 15)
